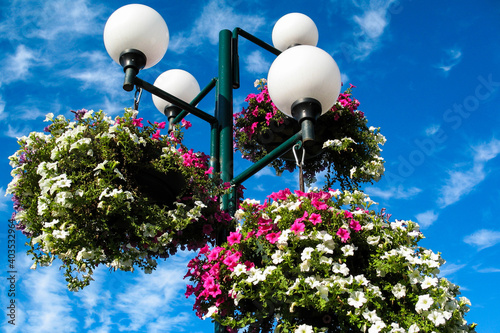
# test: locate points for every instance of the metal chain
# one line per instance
(300, 164)
(137, 98)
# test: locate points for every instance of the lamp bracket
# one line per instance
(132, 61)
(306, 111)
(171, 112)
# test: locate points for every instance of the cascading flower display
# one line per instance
(347, 149)
(324, 261)
(115, 192)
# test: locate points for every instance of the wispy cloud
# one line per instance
(4, 200)
(372, 23)
(256, 64)
(50, 308)
(393, 192)
(142, 302)
(451, 59)
(461, 183)
(488, 270)
(483, 239)
(17, 65)
(215, 16)
(448, 269)
(96, 69)
(49, 20)
(2, 108)
(426, 219)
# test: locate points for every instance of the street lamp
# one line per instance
(303, 81)
(178, 83)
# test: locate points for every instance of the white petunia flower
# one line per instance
(424, 303)
(348, 250)
(239, 269)
(211, 311)
(306, 253)
(376, 327)
(371, 316)
(61, 234)
(340, 268)
(429, 282)
(399, 290)
(277, 257)
(304, 329)
(437, 317)
(414, 329)
(373, 240)
(357, 299)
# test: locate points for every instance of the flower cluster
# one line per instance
(323, 262)
(346, 147)
(109, 191)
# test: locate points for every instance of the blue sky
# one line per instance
(427, 72)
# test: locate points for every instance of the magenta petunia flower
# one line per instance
(234, 238)
(161, 125)
(186, 124)
(343, 234)
(137, 122)
(157, 135)
(315, 218)
(354, 225)
(273, 237)
(298, 227)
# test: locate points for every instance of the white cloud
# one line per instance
(2, 108)
(152, 296)
(461, 183)
(451, 59)
(256, 64)
(372, 23)
(96, 69)
(4, 200)
(426, 219)
(488, 270)
(18, 65)
(432, 129)
(393, 192)
(15, 132)
(49, 308)
(448, 269)
(483, 238)
(216, 16)
(48, 20)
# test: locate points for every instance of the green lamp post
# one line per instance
(304, 81)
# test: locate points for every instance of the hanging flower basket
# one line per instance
(324, 262)
(346, 148)
(111, 191)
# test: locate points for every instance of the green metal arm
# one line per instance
(197, 99)
(235, 57)
(274, 154)
(172, 99)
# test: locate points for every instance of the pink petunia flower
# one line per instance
(273, 237)
(161, 125)
(234, 238)
(348, 214)
(137, 122)
(315, 218)
(298, 227)
(157, 135)
(354, 225)
(186, 124)
(343, 234)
